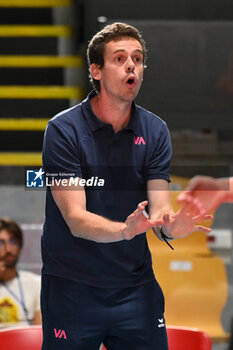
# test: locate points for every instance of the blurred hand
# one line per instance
(203, 195)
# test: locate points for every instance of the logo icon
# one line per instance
(161, 323)
(138, 140)
(35, 178)
(60, 333)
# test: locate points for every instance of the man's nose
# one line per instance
(130, 65)
(8, 246)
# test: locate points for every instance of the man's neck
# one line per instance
(111, 112)
(8, 274)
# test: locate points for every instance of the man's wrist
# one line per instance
(166, 238)
(123, 232)
(165, 235)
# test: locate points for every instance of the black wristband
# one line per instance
(165, 238)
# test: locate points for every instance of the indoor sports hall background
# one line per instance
(188, 82)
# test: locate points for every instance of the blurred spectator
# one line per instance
(19, 290)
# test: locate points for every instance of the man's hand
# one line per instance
(182, 224)
(137, 223)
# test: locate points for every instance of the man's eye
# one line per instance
(13, 241)
(119, 59)
(138, 59)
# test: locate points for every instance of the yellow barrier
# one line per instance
(20, 159)
(41, 61)
(23, 124)
(41, 92)
(35, 31)
(34, 3)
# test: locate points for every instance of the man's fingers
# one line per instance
(144, 203)
(141, 206)
(208, 217)
(203, 217)
(190, 204)
(166, 217)
(193, 207)
(131, 216)
(158, 222)
(184, 197)
(141, 209)
(202, 228)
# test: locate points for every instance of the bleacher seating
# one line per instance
(33, 75)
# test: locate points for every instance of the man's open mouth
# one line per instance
(131, 81)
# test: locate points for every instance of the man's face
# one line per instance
(122, 73)
(9, 249)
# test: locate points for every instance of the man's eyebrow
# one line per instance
(123, 50)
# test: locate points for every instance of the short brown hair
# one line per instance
(115, 31)
(12, 227)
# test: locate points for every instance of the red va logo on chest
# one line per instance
(138, 140)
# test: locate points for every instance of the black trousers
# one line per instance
(80, 317)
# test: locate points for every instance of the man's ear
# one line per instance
(95, 71)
